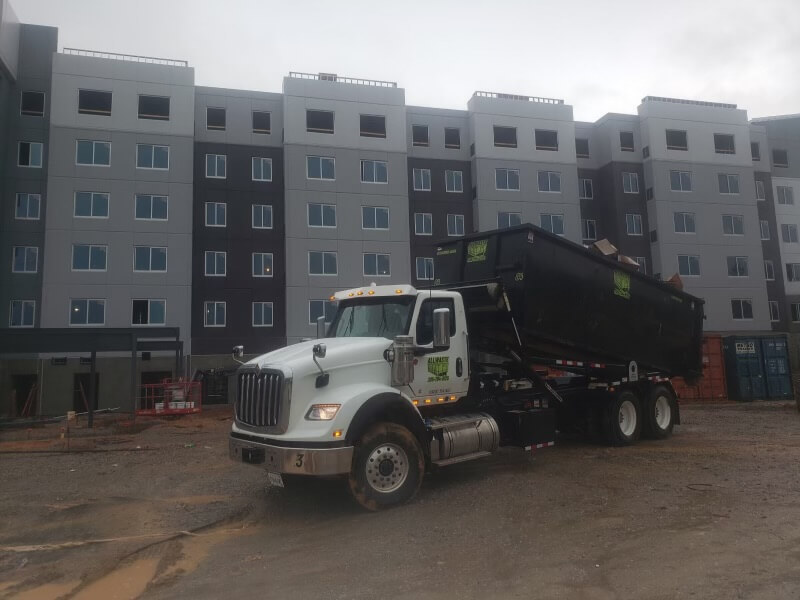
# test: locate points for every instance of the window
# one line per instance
(455, 225)
(27, 206)
(785, 194)
(214, 314)
(320, 167)
(29, 154)
(319, 121)
(148, 312)
(626, 141)
(505, 137)
(322, 263)
(653, 236)
(774, 314)
(688, 265)
(262, 314)
(215, 263)
(550, 181)
(22, 313)
(723, 143)
(795, 306)
(646, 152)
(92, 205)
(582, 147)
(261, 121)
(32, 104)
(215, 118)
(150, 258)
(423, 224)
(680, 181)
(318, 308)
(422, 180)
(262, 216)
(373, 126)
(149, 156)
(648, 194)
(216, 166)
(630, 183)
(760, 191)
(151, 207)
(633, 224)
(508, 219)
(374, 171)
(769, 270)
(546, 139)
(424, 333)
(87, 311)
(155, 108)
(86, 257)
(94, 102)
(780, 158)
(764, 230)
(377, 264)
(506, 179)
(676, 140)
(733, 224)
(374, 217)
(728, 184)
(453, 181)
(424, 268)
(793, 271)
(589, 229)
(261, 168)
(25, 259)
(737, 266)
(755, 150)
(684, 222)
(419, 135)
(553, 223)
(89, 152)
(789, 233)
(215, 214)
(642, 262)
(585, 189)
(742, 308)
(452, 137)
(321, 215)
(262, 264)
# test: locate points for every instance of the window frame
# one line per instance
(260, 160)
(253, 264)
(326, 305)
(789, 230)
(215, 304)
(495, 129)
(582, 188)
(426, 260)
(22, 303)
(683, 177)
(632, 177)
(586, 225)
(761, 224)
(152, 198)
(89, 268)
(755, 156)
(102, 302)
(769, 268)
(31, 145)
(149, 312)
(552, 217)
(633, 218)
(733, 220)
(689, 263)
(322, 206)
(792, 272)
(375, 210)
(579, 154)
(216, 254)
(216, 205)
(262, 304)
(324, 131)
(253, 122)
(92, 197)
(622, 147)
(422, 173)
(738, 262)
(507, 171)
(761, 190)
(378, 256)
(749, 301)
(150, 259)
(94, 144)
(452, 146)
(774, 317)
(456, 218)
(152, 157)
(550, 178)
(427, 141)
(375, 163)
(216, 165)
(685, 147)
(784, 195)
(24, 270)
(683, 217)
(27, 195)
(456, 189)
(320, 159)
(370, 134)
(508, 215)
(423, 215)
(253, 216)
(98, 113)
(323, 253)
(729, 177)
(780, 165)
(29, 113)
(224, 125)
(153, 116)
(794, 309)
(724, 136)
(544, 147)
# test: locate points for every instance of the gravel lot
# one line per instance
(713, 512)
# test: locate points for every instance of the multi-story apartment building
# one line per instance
(132, 198)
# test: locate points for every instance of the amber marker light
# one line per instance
(360, 293)
(371, 292)
(452, 398)
(337, 433)
(332, 298)
(415, 402)
(398, 291)
(428, 400)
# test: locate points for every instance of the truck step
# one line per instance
(462, 458)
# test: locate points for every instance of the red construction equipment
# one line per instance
(169, 398)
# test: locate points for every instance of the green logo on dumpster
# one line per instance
(622, 285)
(476, 251)
(438, 367)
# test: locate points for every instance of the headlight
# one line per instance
(322, 412)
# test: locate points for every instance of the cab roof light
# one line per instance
(350, 295)
(332, 298)
(415, 402)
(427, 400)
(398, 291)
(371, 292)
(360, 293)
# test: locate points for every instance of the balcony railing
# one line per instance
(338, 79)
(518, 97)
(151, 60)
(692, 102)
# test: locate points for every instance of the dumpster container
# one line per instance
(744, 367)
(712, 385)
(777, 372)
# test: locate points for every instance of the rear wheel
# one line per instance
(622, 421)
(658, 413)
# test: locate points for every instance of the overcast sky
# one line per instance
(600, 56)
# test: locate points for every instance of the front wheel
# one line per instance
(388, 466)
(622, 421)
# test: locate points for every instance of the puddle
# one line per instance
(125, 583)
(49, 591)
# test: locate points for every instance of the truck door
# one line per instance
(440, 374)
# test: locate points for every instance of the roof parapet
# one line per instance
(151, 60)
(333, 77)
(502, 96)
(692, 102)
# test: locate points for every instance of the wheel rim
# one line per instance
(387, 468)
(663, 412)
(627, 418)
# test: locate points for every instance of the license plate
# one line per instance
(275, 479)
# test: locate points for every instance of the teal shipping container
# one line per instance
(777, 372)
(744, 368)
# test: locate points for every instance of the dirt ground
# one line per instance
(713, 512)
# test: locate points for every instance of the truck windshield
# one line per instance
(373, 317)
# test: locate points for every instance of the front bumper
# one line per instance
(298, 461)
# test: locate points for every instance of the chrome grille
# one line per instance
(259, 398)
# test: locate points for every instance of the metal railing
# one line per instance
(151, 60)
(338, 79)
(500, 96)
(682, 101)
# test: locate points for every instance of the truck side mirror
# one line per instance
(238, 351)
(320, 326)
(441, 329)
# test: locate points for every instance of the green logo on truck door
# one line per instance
(622, 285)
(476, 251)
(438, 366)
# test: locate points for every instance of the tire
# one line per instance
(622, 419)
(658, 413)
(388, 466)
